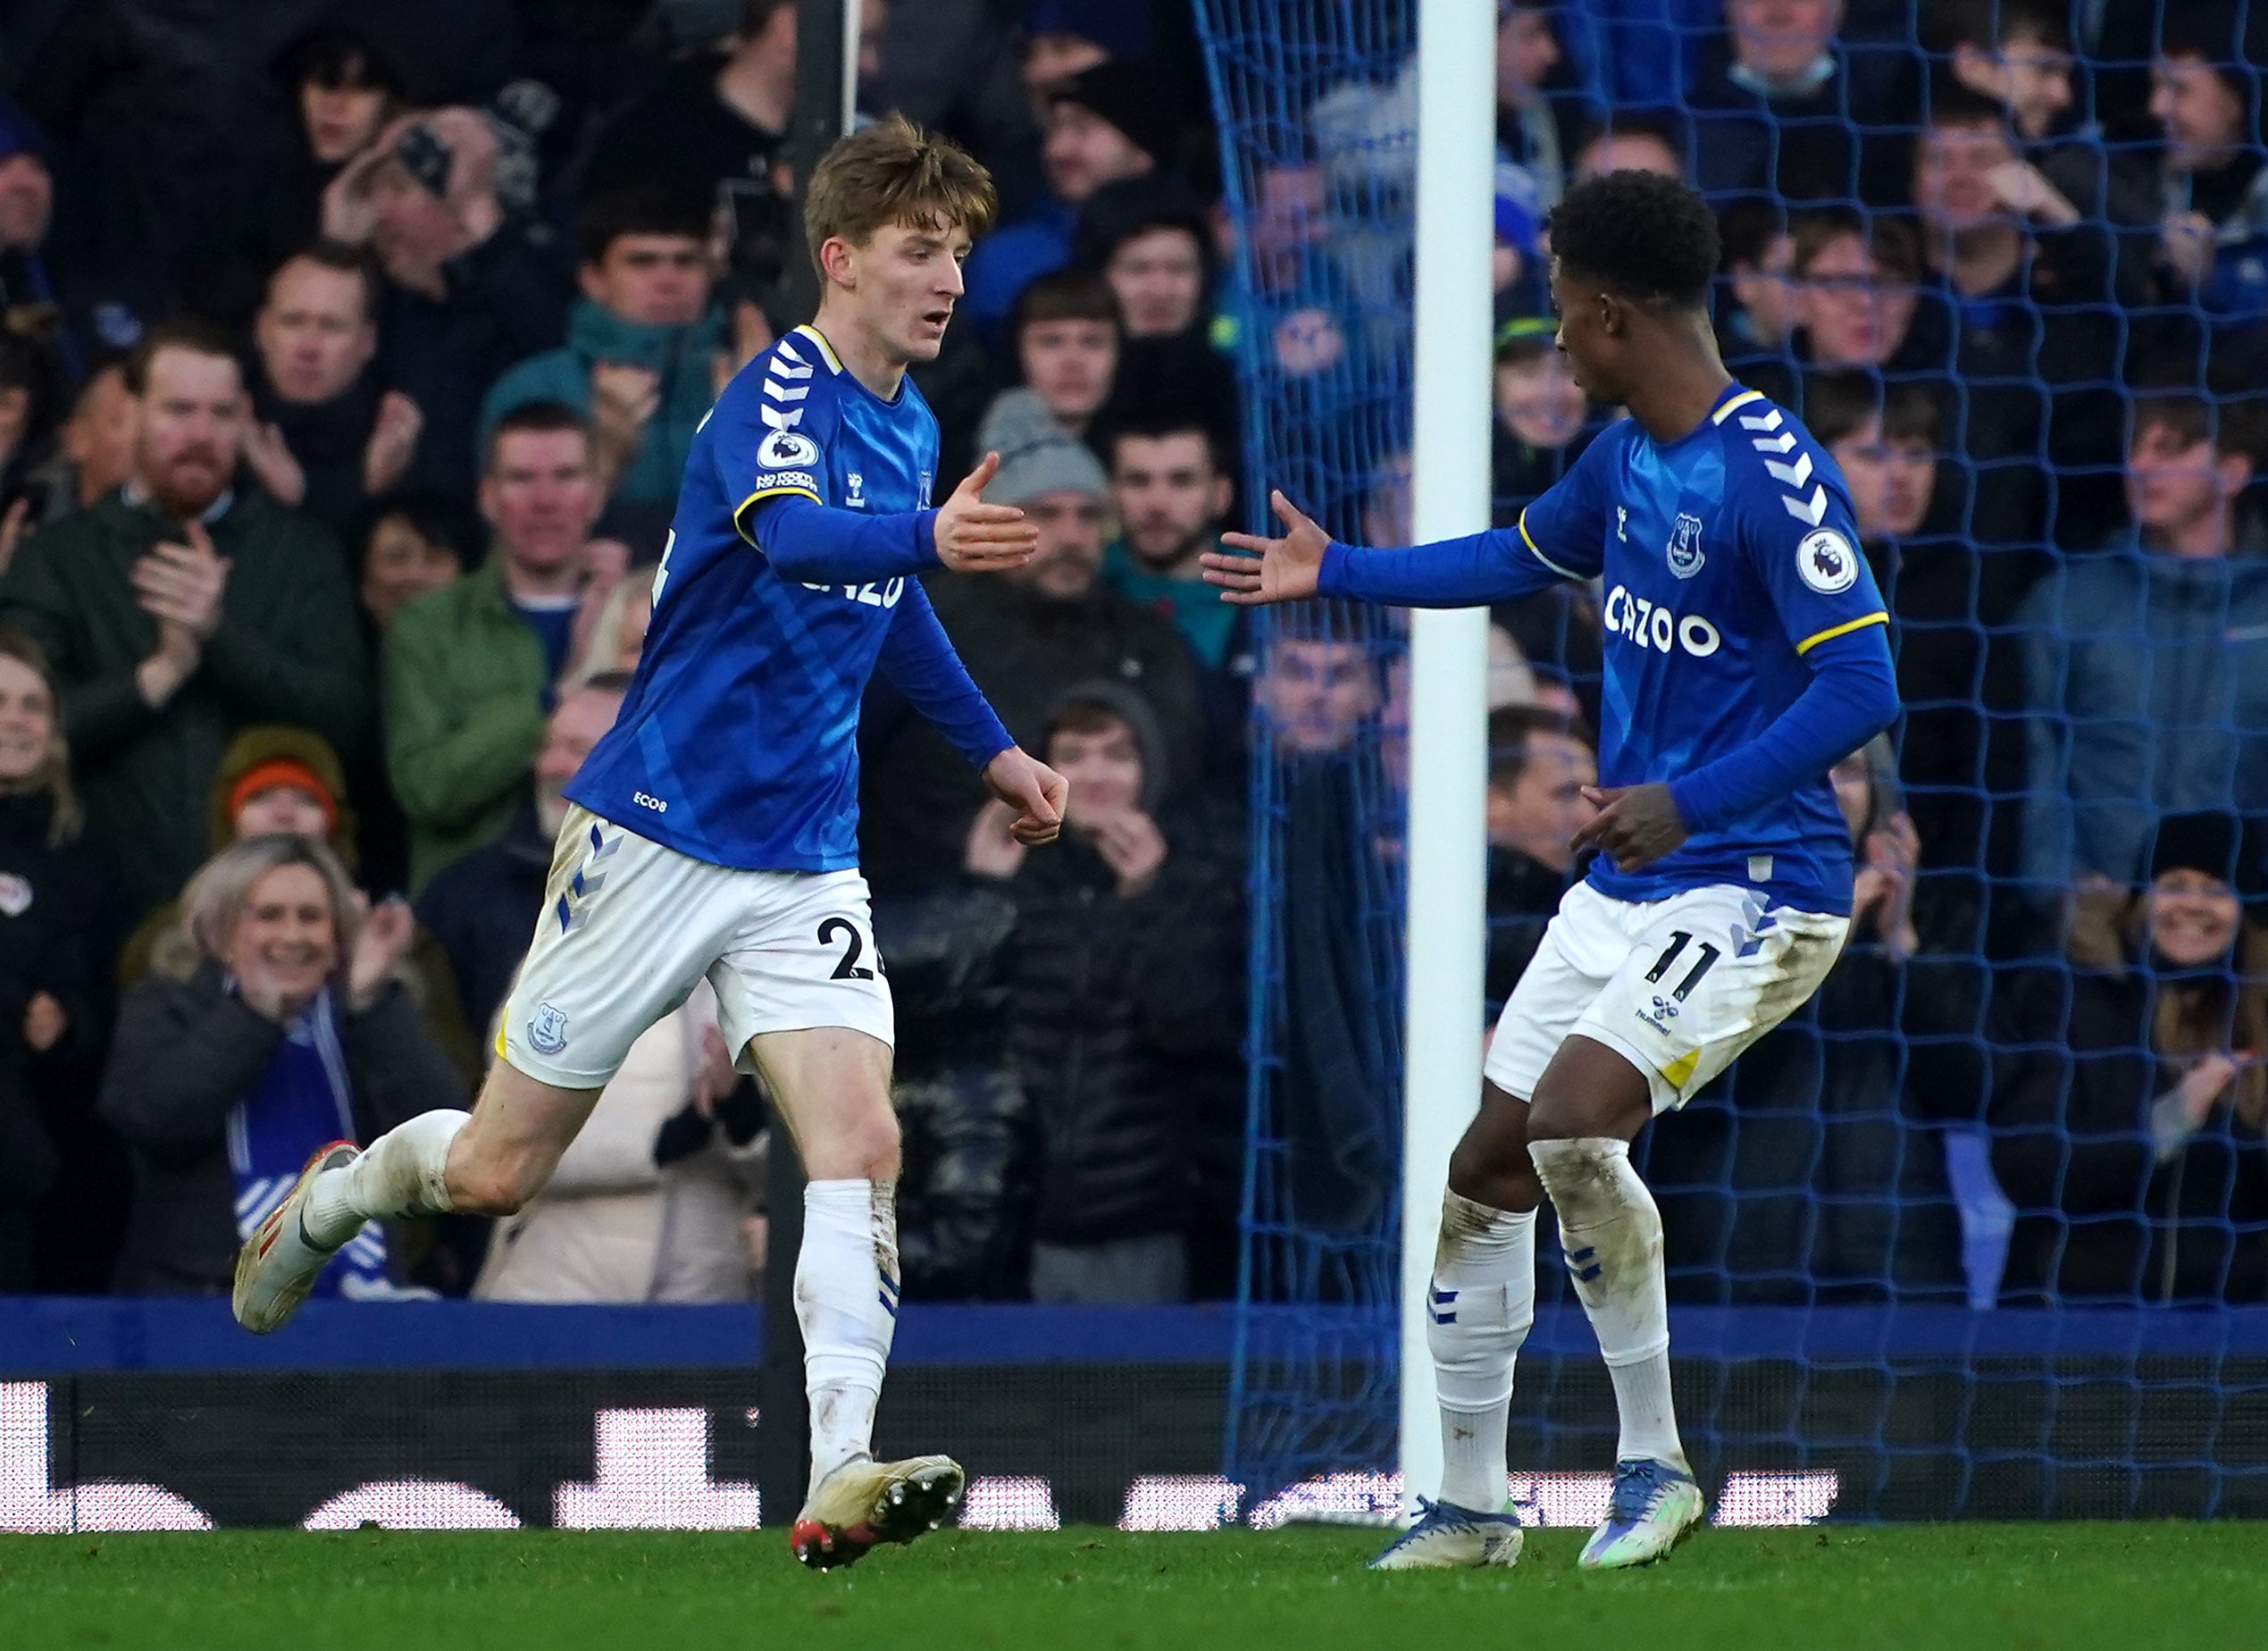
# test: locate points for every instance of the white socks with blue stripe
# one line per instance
(1611, 1234)
(1477, 1311)
(400, 1173)
(846, 1301)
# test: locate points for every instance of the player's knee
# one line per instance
(490, 1188)
(1552, 1117)
(1494, 1173)
(874, 1146)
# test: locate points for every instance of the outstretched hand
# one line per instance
(1036, 791)
(973, 537)
(1254, 571)
(1634, 826)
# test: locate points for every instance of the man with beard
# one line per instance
(1170, 491)
(180, 610)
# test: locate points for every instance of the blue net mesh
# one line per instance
(1984, 1229)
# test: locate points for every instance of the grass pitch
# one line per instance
(2059, 1587)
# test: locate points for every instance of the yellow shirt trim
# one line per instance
(1726, 412)
(825, 349)
(1535, 551)
(741, 509)
(1832, 632)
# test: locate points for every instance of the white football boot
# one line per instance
(1448, 1537)
(1656, 1506)
(865, 1504)
(279, 1264)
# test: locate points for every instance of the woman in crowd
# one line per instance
(52, 917)
(285, 1026)
(2131, 1111)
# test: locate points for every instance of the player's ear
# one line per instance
(838, 261)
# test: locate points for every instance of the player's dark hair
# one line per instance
(536, 418)
(2223, 414)
(1897, 248)
(1956, 104)
(1639, 235)
(435, 514)
(1838, 402)
(1087, 716)
(1511, 727)
(189, 333)
(339, 59)
(1155, 423)
(1069, 293)
(1910, 414)
(1991, 25)
(1747, 228)
(637, 211)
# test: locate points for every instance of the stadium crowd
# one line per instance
(351, 357)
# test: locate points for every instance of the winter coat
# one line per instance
(54, 915)
(160, 934)
(683, 357)
(2096, 1216)
(2147, 681)
(1023, 649)
(329, 439)
(611, 1226)
(1125, 1020)
(289, 649)
(465, 685)
(964, 1192)
(1524, 894)
(186, 1052)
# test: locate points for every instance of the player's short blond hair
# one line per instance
(894, 172)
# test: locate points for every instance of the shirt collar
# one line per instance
(1821, 71)
(135, 494)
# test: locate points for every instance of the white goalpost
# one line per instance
(1447, 856)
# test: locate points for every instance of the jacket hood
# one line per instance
(1149, 736)
(273, 742)
(595, 331)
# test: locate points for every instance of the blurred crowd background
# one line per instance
(349, 362)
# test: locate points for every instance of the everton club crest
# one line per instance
(1685, 547)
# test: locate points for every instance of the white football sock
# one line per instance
(846, 1301)
(1478, 1311)
(400, 1173)
(1610, 1233)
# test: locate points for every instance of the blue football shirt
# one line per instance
(738, 741)
(1724, 557)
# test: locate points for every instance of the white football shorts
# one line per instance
(1678, 987)
(629, 926)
